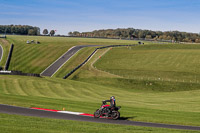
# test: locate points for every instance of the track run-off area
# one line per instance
(69, 116)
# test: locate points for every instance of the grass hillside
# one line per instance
(152, 83)
(149, 69)
(155, 67)
(34, 58)
(164, 62)
(163, 107)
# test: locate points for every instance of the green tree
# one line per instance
(70, 33)
(19, 29)
(31, 32)
(52, 32)
(76, 33)
(148, 37)
(45, 31)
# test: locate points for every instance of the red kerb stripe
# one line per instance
(87, 114)
(45, 109)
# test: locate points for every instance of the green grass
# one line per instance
(34, 58)
(163, 107)
(89, 71)
(152, 83)
(142, 68)
(166, 62)
(24, 124)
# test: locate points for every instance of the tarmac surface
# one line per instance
(55, 115)
(1, 52)
(54, 67)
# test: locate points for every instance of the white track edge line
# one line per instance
(57, 59)
(90, 58)
(64, 63)
(92, 55)
(69, 112)
(1, 53)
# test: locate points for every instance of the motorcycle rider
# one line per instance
(112, 103)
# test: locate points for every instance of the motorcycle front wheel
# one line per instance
(97, 114)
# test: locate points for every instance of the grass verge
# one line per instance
(24, 124)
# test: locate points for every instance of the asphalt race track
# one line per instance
(55, 115)
(1, 52)
(53, 68)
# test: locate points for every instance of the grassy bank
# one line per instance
(164, 107)
(164, 62)
(13, 124)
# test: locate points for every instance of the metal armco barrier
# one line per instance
(76, 68)
(9, 57)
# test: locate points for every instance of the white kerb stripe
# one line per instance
(69, 112)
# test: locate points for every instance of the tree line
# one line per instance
(19, 29)
(131, 33)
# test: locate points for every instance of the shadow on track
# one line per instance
(126, 118)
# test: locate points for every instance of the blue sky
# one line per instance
(89, 15)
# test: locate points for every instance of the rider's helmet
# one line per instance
(113, 98)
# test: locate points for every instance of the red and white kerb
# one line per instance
(60, 111)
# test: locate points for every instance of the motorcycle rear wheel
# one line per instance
(115, 115)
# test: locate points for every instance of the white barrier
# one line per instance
(5, 71)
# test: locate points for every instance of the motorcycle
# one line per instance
(106, 111)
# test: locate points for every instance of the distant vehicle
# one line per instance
(28, 42)
(32, 42)
(140, 43)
